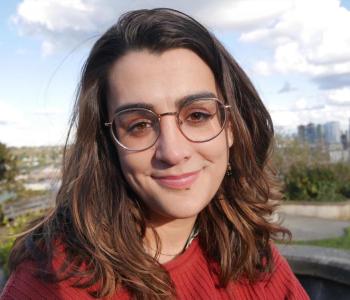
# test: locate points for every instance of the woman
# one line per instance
(166, 187)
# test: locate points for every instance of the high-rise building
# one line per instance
(344, 141)
(301, 133)
(319, 133)
(310, 133)
(332, 132)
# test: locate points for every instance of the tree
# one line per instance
(289, 151)
(307, 173)
(8, 168)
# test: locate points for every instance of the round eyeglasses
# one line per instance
(199, 120)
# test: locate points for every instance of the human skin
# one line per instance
(160, 174)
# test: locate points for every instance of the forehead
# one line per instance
(158, 79)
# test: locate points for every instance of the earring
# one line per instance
(228, 170)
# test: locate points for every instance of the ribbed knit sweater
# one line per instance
(190, 273)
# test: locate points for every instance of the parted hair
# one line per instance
(98, 218)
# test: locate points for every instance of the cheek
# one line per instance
(216, 150)
(133, 164)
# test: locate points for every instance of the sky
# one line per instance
(296, 52)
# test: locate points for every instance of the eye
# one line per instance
(198, 112)
(140, 127)
(198, 116)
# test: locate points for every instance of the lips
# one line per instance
(181, 181)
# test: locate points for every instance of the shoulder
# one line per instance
(281, 282)
(24, 284)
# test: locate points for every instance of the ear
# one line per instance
(229, 134)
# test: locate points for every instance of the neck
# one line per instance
(173, 236)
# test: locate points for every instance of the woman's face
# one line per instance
(176, 178)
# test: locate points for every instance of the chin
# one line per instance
(182, 210)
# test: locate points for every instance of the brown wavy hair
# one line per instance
(99, 219)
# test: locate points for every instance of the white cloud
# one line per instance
(340, 97)
(311, 38)
(241, 14)
(49, 111)
(38, 134)
(290, 119)
(56, 16)
(262, 68)
(9, 114)
(285, 118)
(307, 36)
(39, 127)
(319, 109)
(64, 23)
(301, 104)
(286, 88)
(58, 24)
(47, 48)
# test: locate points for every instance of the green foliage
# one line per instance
(12, 229)
(5, 249)
(8, 168)
(290, 152)
(307, 173)
(22, 193)
(312, 183)
(2, 215)
(345, 189)
(342, 175)
(340, 242)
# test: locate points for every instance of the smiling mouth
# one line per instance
(178, 182)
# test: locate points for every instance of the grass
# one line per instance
(342, 242)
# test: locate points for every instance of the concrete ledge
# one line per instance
(323, 272)
(326, 263)
(336, 211)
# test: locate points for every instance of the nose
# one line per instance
(172, 147)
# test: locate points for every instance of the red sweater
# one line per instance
(189, 272)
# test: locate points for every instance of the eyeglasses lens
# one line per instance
(199, 121)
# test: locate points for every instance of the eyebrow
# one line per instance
(179, 102)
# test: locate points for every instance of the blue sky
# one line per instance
(295, 51)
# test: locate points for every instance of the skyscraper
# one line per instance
(310, 133)
(301, 133)
(344, 141)
(332, 132)
(319, 133)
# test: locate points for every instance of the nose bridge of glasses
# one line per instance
(170, 113)
(171, 139)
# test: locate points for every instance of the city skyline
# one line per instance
(327, 132)
(299, 64)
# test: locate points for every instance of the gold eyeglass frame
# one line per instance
(176, 114)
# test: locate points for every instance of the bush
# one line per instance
(8, 168)
(13, 228)
(306, 171)
(5, 249)
(345, 189)
(319, 183)
(342, 174)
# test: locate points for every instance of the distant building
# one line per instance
(337, 154)
(319, 133)
(332, 132)
(301, 133)
(310, 133)
(344, 141)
